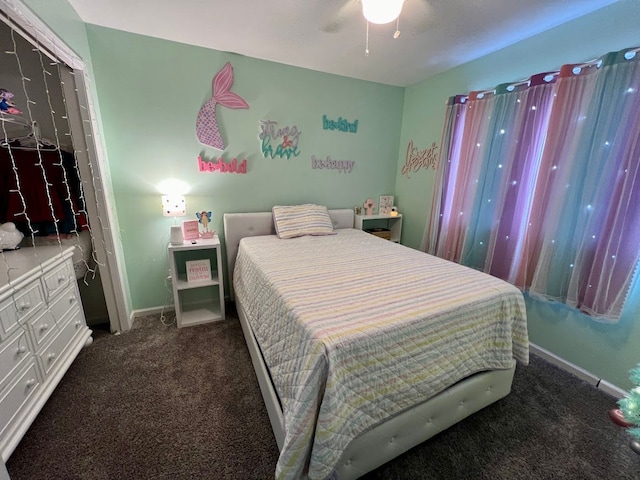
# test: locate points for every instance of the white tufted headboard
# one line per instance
(240, 225)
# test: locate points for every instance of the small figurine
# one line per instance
(369, 206)
(204, 218)
(6, 105)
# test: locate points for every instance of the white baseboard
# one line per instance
(612, 389)
(577, 371)
(150, 311)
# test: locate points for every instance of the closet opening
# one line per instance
(51, 183)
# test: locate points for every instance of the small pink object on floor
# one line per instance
(617, 417)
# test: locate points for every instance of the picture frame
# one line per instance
(198, 270)
(190, 230)
(385, 204)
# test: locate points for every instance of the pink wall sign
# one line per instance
(417, 159)
(221, 166)
(207, 124)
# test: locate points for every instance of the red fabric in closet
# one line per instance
(41, 201)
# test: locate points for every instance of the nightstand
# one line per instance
(198, 301)
(394, 224)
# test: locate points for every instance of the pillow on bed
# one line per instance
(298, 220)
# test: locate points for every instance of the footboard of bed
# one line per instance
(395, 436)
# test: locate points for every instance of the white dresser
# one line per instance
(42, 329)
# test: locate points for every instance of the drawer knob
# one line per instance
(24, 306)
(78, 323)
(45, 326)
(31, 382)
(61, 278)
(51, 356)
(22, 349)
(72, 299)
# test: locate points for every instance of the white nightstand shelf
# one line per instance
(195, 314)
(394, 224)
(200, 301)
(182, 284)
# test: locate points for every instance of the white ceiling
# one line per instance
(329, 35)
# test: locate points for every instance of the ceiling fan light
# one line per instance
(381, 11)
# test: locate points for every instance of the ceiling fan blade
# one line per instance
(345, 14)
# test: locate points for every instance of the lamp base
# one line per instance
(176, 237)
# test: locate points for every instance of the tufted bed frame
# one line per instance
(394, 436)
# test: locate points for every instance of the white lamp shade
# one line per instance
(174, 206)
(381, 11)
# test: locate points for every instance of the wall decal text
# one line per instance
(417, 159)
(342, 125)
(221, 166)
(343, 166)
(278, 142)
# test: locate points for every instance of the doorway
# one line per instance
(52, 107)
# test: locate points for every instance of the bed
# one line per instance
(364, 348)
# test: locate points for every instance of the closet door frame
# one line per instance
(90, 153)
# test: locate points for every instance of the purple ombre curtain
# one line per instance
(591, 229)
(463, 164)
(540, 184)
(510, 248)
(447, 170)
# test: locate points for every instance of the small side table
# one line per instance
(198, 301)
(394, 224)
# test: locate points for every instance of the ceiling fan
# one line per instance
(376, 12)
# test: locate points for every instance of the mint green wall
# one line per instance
(60, 17)
(150, 92)
(608, 351)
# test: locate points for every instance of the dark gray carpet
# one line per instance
(163, 403)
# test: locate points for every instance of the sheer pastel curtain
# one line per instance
(447, 171)
(538, 183)
(499, 222)
(464, 165)
(591, 239)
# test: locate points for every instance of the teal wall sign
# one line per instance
(342, 125)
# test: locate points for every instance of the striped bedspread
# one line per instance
(355, 329)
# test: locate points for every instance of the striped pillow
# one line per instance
(298, 220)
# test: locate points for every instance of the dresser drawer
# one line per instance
(15, 395)
(19, 308)
(50, 355)
(13, 352)
(51, 320)
(58, 279)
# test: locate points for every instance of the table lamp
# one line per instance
(174, 206)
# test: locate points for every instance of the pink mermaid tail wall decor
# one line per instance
(207, 124)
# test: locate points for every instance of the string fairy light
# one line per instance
(60, 164)
(95, 177)
(47, 77)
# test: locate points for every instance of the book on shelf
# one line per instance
(198, 270)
